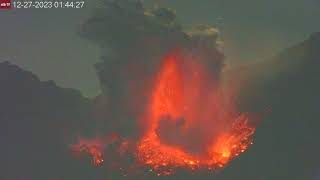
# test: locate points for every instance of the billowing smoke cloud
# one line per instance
(134, 40)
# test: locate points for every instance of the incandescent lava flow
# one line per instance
(191, 121)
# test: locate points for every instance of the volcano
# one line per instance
(190, 122)
(166, 97)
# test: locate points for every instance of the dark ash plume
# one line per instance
(134, 40)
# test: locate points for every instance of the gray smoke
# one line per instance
(133, 40)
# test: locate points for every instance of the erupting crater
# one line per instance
(192, 122)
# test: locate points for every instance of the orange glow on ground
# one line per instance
(94, 147)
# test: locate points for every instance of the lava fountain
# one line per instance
(192, 122)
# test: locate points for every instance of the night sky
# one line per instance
(46, 41)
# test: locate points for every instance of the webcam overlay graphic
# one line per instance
(5, 4)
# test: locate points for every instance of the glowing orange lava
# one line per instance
(192, 124)
(94, 147)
